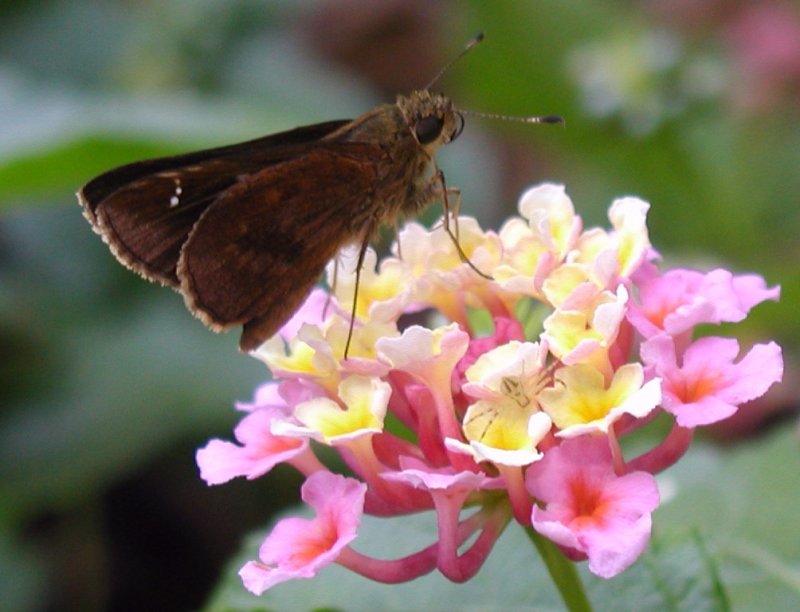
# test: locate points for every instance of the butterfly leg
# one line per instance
(362, 251)
(455, 193)
(454, 210)
(433, 188)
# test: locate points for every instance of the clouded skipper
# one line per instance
(244, 232)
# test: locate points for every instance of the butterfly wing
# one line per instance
(256, 252)
(146, 210)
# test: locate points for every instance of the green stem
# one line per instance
(563, 573)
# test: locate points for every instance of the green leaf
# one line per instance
(745, 501)
(725, 513)
(675, 574)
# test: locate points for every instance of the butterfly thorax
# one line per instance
(408, 133)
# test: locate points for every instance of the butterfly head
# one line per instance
(431, 118)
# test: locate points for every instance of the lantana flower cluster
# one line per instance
(493, 399)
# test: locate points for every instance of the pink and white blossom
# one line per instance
(299, 548)
(589, 511)
(708, 386)
(493, 398)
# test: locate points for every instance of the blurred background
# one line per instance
(108, 384)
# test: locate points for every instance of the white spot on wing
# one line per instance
(176, 198)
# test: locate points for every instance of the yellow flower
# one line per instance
(580, 402)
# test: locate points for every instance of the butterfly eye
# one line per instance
(459, 127)
(428, 129)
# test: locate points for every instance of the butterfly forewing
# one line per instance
(145, 210)
(250, 260)
(252, 154)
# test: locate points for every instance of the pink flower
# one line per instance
(504, 398)
(591, 512)
(449, 489)
(677, 300)
(299, 548)
(310, 312)
(267, 395)
(708, 387)
(446, 481)
(260, 451)
(430, 356)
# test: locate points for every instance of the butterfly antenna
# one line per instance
(473, 41)
(543, 119)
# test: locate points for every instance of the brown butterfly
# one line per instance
(244, 231)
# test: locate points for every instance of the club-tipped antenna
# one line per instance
(543, 119)
(472, 42)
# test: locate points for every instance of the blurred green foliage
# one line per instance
(109, 384)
